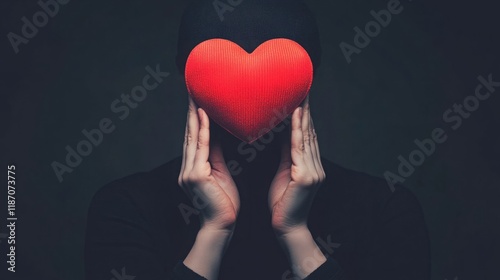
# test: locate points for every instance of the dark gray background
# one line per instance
(367, 113)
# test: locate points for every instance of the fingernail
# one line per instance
(199, 113)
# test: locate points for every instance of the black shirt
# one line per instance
(144, 226)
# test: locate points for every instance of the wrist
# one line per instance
(289, 232)
(302, 251)
(206, 254)
(295, 233)
(214, 234)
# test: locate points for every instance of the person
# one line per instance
(283, 212)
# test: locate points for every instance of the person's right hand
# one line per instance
(204, 175)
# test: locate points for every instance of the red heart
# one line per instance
(248, 94)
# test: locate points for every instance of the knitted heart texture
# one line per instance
(247, 93)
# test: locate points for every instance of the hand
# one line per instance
(204, 175)
(299, 175)
(292, 192)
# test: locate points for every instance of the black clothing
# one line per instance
(249, 23)
(369, 232)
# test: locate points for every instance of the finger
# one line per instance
(297, 137)
(186, 138)
(286, 157)
(315, 147)
(203, 145)
(283, 175)
(216, 156)
(306, 131)
(184, 145)
(218, 164)
(192, 136)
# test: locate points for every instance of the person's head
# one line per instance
(248, 23)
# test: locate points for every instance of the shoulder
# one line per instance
(362, 191)
(143, 190)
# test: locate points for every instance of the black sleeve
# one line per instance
(330, 270)
(120, 242)
(400, 247)
(182, 272)
(397, 246)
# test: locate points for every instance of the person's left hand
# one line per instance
(299, 175)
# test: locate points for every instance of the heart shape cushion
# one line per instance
(248, 94)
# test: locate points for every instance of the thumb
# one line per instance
(286, 156)
(216, 156)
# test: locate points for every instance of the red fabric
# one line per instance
(247, 94)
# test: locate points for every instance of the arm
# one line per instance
(119, 243)
(400, 247)
(291, 194)
(120, 240)
(206, 254)
(303, 253)
(204, 176)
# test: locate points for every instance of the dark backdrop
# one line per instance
(367, 113)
